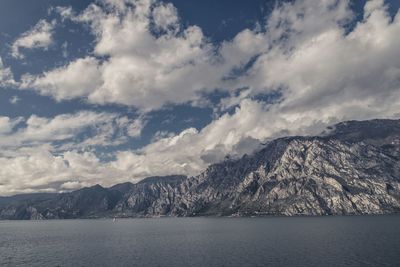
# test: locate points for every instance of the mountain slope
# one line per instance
(353, 168)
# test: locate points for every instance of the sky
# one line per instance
(109, 91)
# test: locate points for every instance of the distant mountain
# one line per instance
(352, 168)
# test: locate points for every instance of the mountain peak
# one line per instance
(353, 169)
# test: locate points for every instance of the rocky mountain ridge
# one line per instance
(352, 168)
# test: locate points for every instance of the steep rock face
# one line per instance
(310, 177)
(152, 196)
(316, 177)
(353, 168)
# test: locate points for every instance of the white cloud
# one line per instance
(178, 65)
(64, 50)
(321, 67)
(160, 135)
(53, 154)
(42, 171)
(6, 76)
(40, 36)
(7, 124)
(165, 17)
(79, 78)
(66, 12)
(135, 127)
(97, 129)
(139, 68)
(14, 100)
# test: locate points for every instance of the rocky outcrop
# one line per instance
(352, 168)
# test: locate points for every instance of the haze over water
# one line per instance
(275, 241)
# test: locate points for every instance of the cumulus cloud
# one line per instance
(41, 171)
(323, 66)
(78, 78)
(66, 131)
(59, 153)
(309, 60)
(40, 36)
(6, 76)
(165, 17)
(7, 124)
(144, 58)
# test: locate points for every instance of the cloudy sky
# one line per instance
(111, 91)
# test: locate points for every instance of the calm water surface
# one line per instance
(298, 241)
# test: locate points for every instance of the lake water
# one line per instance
(275, 241)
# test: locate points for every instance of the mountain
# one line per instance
(89, 202)
(351, 168)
